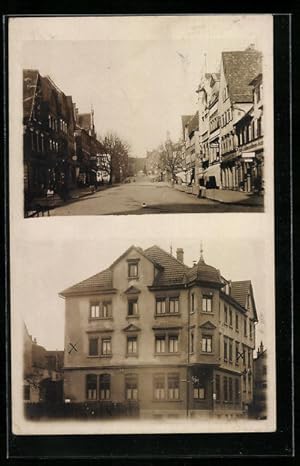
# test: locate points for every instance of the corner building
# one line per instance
(171, 339)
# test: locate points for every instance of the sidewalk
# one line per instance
(225, 196)
(47, 203)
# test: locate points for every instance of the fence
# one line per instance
(87, 410)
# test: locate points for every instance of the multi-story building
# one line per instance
(49, 124)
(42, 371)
(238, 69)
(259, 407)
(249, 130)
(190, 126)
(172, 339)
(209, 129)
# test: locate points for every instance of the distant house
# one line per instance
(260, 367)
(170, 339)
(42, 372)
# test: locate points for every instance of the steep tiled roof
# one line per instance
(240, 68)
(173, 272)
(30, 79)
(240, 290)
(204, 273)
(99, 282)
(193, 124)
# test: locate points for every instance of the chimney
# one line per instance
(179, 255)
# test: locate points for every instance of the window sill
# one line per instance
(96, 319)
(207, 313)
(133, 278)
(207, 354)
(168, 314)
(136, 316)
(167, 354)
(129, 355)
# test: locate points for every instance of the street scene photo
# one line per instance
(129, 136)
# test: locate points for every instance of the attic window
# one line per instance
(133, 269)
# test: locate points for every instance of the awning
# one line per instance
(213, 170)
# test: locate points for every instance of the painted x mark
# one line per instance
(72, 347)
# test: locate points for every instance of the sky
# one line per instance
(139, 80)
(54, 255)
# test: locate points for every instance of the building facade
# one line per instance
(259, 407)
(150, 331)
(238, 69)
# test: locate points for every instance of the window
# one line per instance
(225, 389)
(131, 387)
(230, 318)
(93, 346)
(106, 346)
(91, 387)
(245, 327)
(106, 310)
(237, 390)
(26, 392)
(207, 344)
(249, 358)
(193, 302)
(174, 305)
(230, 389)
(249, 382)
(230, 350)
(131, 345)
(173, 387)
(225, 315)
(104, 387)
(191, 342)
(244, 355)
(173, 344)
(159, 387)
(225, 349)
(198, 390)
(132, 307)
(264, 370)
(160, 343)
(160, 305)
(132, 269)
(207, 304)
(94, 311)
(250, 330)
(42, 143)
(236, 322)
(218, 391)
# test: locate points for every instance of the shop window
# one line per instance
(198, 390)
(91, 387)
(159, 387)
(104, 387)
(131, 387)
(173, 387)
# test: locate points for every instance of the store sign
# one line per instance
(248, 155)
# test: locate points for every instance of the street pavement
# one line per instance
(144, 197)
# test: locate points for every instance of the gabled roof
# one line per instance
(132, 290)
(131, 328)
(193, 124)
(173, 271)
(99, 282)
(205, 273)
(208, 325)
(240, 291)
(30, 79)
(240, 68)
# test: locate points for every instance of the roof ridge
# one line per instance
(170, 255)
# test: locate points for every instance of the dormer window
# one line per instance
(133, 269)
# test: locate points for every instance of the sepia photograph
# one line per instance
(147, 126)
(121, 322)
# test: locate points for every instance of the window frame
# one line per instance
(104, 341)
(105, 389)
(132, 303)
(95, 340)
(205, 300)
(131, 264)
(131, 385)
(205, 345)
(87, 389)
(132, 339)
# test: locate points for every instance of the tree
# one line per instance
(171, 158)
(117, 164)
